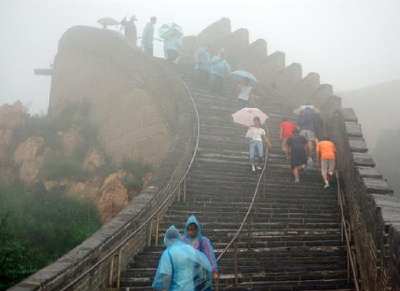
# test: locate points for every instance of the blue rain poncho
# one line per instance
(202, 59)
(173, 43)
(220, 67)
(180, 266)
(200, 242)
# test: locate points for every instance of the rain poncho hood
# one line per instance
(220, 67)
(192, 220)
(181, 267)
(200, 242)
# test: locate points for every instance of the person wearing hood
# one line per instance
(192, 235)
(130, 28)
(220, 69)
(179, 264)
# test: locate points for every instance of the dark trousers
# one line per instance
(148, 50)
(171, 55)
(217, 84)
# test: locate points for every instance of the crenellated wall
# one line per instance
(374, 212)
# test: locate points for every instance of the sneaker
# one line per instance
(253, 169)
(326, 185)
(296, 180)
(259, 168)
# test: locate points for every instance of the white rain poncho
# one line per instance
(181, 267)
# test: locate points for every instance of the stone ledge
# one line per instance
(367, 172)
(353, 129)
(363, 159)
(358, 145)
(349, 115)
(379, 186)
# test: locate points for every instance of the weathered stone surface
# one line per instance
(28, 149)
(30, 169)
(349, 115)
(251, 55)
(113, 196)
(374, 185)
(390, 208)
(363, 159)
(12, 115)
(70, 140)
(270, 67)
(368, 172)
(6, 136)
(289, 78)
(304, 89)
(353, 129)
(86, 190)
(214, 32)
(94, 160)
(358, 145)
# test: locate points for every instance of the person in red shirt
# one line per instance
(326, 151)
(287, 128)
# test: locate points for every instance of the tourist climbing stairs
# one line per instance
(292, 240)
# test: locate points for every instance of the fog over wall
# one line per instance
(351, 44)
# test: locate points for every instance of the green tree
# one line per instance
(37, 227)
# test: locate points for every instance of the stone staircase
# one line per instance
(293, 243)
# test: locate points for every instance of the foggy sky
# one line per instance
(350, 43)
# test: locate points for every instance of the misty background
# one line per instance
(353, 44)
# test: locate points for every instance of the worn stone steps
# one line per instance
(294, 241)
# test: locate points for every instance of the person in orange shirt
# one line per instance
(326, 151)
(287, 128)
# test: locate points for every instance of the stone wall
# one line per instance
(374, 212)
(132, 100)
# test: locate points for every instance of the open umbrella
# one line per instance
(302, 107)
(245, 74)
(169, 29)
(105, 21)
(245, 116)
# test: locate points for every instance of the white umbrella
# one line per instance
(105, 21)
(245, 116)
(302, 107)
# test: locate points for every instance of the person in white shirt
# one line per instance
(245, 96)
(257, 136)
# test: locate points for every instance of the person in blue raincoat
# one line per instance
(192, 235)
(202, 63)
(179, 264)
(220, 69)
(172, 46)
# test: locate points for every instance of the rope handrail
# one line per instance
(344, 226)
(250, 206)
(159, 209)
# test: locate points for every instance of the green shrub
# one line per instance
(58, 167)
(37, 227)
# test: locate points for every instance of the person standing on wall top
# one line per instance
(296, 146)
(172, 47)
(287, 128)
(306, 122)
(202, 64)
(326, 154)
(130, 29)
(148, 36)
(193, 236)
(180, 265)
(220, 69)
(245, 96)
(257, 136)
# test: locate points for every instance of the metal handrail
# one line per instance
(158, 210)
(346, 235)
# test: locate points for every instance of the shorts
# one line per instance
(308, 134)
(327, 166)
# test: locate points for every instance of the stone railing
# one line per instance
(97, 263)
(374, 213)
